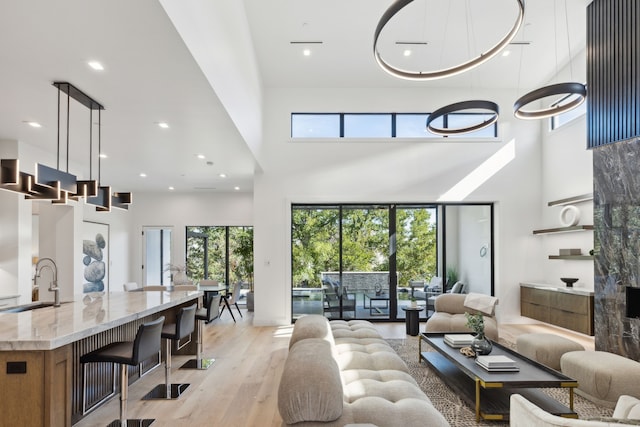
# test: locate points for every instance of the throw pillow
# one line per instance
(484, 304)
(457, 288)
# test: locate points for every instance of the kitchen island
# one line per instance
(40, 373)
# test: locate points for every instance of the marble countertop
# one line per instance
(50, 327)
(573, 290)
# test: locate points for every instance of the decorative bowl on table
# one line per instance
(569, 281)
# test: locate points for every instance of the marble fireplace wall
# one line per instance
(616, 175)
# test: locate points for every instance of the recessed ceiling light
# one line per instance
(223, 175)
(407, 52)
(236, 188)
(201, 156)
(95, 65)
(163, 125)
(171, 188)
(506, 53)
(103, 156)
(34, 124)
(143, 175)
(306, 52)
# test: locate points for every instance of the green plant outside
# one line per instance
(315, 243)
(240, 254)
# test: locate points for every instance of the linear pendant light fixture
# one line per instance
(397, 6)
(57, 185)
(94, 193)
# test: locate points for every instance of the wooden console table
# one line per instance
(569, 308)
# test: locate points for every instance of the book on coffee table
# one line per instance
(497, 363)
(458, 340)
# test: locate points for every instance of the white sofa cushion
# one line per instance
(310, 387)
(311, 327)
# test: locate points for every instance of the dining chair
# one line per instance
(130, 286)
(233, 300)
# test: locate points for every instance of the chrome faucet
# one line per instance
(53, 285)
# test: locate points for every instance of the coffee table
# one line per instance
(489, 392)
(372, 296)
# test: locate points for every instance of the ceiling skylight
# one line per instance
(96, 65)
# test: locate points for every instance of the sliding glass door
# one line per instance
(365, 261)
(416, 256)
(315, 261)
(369, 261)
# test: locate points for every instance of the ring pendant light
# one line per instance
(397, 6)
(460, 106)
(577, 93)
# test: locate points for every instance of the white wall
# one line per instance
(568, 171)
(397, 171)
(15, 234)
(179, 211)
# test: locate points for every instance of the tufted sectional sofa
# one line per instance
(339, 373)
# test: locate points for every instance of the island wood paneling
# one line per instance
(40, 395)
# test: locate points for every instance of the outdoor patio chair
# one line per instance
(332, 296)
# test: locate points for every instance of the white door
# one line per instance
(156, 248)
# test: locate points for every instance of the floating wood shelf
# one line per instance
(574, 257)
(564, 229)
(570, 200)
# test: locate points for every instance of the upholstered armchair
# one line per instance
(449, 313)
(434, 287)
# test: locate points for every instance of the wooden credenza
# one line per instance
(564, 307)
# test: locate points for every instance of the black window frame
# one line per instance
(394, 116)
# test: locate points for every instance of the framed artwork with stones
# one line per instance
(95, 257)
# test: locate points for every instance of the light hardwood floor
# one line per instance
(241, 388)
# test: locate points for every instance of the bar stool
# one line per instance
(207, 314)
(146, 344)
(184, 327)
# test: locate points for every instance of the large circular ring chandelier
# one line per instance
(576, 94)
(490, 106)
(397, 6)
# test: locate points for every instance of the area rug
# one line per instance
(457, 412)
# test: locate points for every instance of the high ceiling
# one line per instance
(150, 74)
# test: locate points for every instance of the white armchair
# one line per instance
(523, 413)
